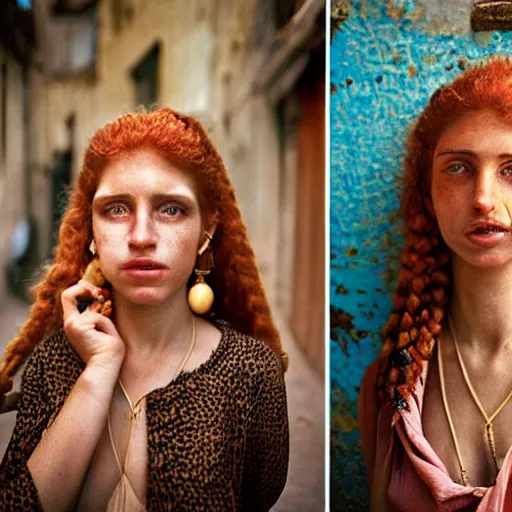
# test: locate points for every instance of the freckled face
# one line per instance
(472, 188)
(147, 227)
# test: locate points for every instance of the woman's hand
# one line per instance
(81, 421)
(93, 335)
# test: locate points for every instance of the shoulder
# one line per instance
(54, 347)
(369, 383)
(55, 357)
(368, 409)
(249, 354)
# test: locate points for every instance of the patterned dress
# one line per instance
(217, 436)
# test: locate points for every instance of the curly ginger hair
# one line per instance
(423, 289)
(240, 298)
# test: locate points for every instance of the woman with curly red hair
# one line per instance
(172, 402)
(436, 407)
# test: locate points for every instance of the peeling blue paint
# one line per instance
(384, 68)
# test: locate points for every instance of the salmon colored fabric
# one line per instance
(409, 476)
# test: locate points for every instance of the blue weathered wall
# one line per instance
(387, 58)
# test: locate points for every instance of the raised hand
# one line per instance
(93, 335)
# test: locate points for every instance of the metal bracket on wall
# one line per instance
(489, 15)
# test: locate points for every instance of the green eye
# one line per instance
(507, 171)
(456, 168)
(171, 210)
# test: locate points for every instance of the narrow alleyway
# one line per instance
(305, 486)
(304, 491)
(13, 313)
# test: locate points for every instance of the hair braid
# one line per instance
(418, 310)
(422, 292)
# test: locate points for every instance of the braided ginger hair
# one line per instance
(240, 298)
(423, 289)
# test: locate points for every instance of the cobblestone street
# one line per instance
(305, 486)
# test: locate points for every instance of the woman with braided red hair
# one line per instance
(436, 407)
(164, 405)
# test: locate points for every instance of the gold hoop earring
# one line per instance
(200, 296)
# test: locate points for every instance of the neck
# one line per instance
(480, 306)
(147, 329)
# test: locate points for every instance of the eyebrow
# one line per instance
(155, 198)
(467, 152)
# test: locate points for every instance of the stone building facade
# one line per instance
(251, 70)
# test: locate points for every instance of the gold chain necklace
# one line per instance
(490, 442)
(135, 409)
(464, 480)
(489, 432)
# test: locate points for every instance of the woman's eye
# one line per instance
(456, 168)
(117, 209)
(171, 210)
(507, 171)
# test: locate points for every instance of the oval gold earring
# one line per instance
(200, 296)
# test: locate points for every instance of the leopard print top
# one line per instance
(217, 436)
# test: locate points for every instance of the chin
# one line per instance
(145, 296)
(488, 259)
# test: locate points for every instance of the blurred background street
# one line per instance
(253, 72)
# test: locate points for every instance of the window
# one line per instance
(145, 78)
(71, 43)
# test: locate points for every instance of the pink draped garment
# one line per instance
(409, 476)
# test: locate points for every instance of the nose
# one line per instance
(142, 234)
(484, 199)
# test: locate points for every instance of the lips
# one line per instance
(487, 234)
(488, 228)
(143, 264)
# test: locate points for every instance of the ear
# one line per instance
(212, 223)
(209, 230)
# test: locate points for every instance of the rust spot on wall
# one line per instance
(341, 290)
(412, 71)
(430, 59)
(351, 251)
(344, 422)
(343, 321)
(334, 88)
(340, 11)
(394, 11)
(393, 216)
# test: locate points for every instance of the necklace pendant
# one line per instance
(135, 412)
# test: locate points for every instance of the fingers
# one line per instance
(68, 296)
(77, 324)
